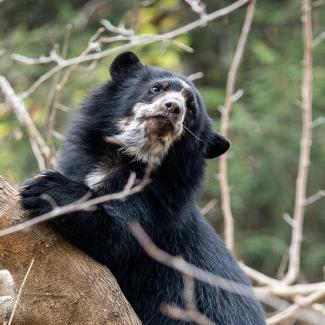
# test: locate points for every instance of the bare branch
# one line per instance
(318, 39)
(189, 313)
(20, 292)
(197, 6)
(318, 121)
(268, 294)
(186, 315)
(180, 265)
(317, 3)
(118, 30)
(59, 85)
(237, 95)
(293, 311)
(38, 144)
(305, 144)
(195, 76)
(278, 287)
(224, 126)
(135, 41)
(208, 207)
(286, 217)
(188, 292)
(82, 204)
(257, 276)
(41, 80)
(53, 57)
(317, 196)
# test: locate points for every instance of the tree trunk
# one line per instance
(64, 286)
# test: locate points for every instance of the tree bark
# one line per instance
(64, 286)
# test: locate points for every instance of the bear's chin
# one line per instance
(159, 126)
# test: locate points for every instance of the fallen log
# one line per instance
(64, 286)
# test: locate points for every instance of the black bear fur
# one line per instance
(165, 208)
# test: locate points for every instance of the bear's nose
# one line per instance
(172, 106)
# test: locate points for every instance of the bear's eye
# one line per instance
(155, 89)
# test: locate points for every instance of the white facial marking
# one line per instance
(134, 139)
(141, 110)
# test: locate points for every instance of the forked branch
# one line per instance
(224, 126)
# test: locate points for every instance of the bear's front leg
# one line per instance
(39, 194)
(79, 227)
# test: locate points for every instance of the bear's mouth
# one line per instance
(159, 116)
(159, 125)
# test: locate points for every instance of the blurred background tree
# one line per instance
(265, 123)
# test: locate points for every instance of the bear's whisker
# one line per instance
(190, 132)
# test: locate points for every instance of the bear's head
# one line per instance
(158, 111)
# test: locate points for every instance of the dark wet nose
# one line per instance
(173, 107)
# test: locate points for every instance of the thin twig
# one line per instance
(55, 93)
(292, 311)
(278, 287)
(224, 126)
(176, 312)
(318, 39)
(197, 6)
(266, 294)
(189, 292)
(257, 276)
(82, 204)
(180, 265)
(195, 76)
(40, 148)
(189, 313)
(121, 30)
(317, 196)
(208, 207)
(318, 121)
(20, 292)
(137, 40)
(60, 85)
(305, 145)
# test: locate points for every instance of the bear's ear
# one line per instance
(216, 146)
(124, 64)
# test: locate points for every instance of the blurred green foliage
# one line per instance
(265, 124)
